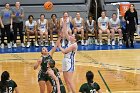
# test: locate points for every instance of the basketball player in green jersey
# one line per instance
(44, 78)
(7, 85)
(90, 86)
(51, 66)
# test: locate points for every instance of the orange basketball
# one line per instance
(48, 5)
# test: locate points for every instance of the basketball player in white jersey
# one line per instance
(30, 28)
(68, 22)
(68, 64)
(103, 24)
(91, 27)
(79, 26)
(42, 25)
(115, 27)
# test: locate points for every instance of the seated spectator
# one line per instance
(90, 86)
(54, 27)
(30, 27)
(115, 27)
(103, 23)
(7, 85)
(6, 24)
(42, 25)
(78, 23)
(91, 27)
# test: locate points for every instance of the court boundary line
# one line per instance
(104, 82)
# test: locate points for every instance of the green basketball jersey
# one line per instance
(44, 62)
(89, 88)
(8, 87)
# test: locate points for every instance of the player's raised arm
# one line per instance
(64, 30)
(55, 47)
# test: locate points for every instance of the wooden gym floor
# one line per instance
(116, 71)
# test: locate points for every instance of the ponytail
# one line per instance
(4, 77)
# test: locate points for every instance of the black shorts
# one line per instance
(43, 77)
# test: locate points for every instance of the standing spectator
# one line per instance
(91, 27)
(6, 24)
(91, 86)
(54, 27)
(18, 15)
(30, 27)
(103, 23)
(42, 25)
(130, 17)
(115, 27)
(79, 26)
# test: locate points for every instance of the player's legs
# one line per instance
(108, 34)
(49, 87)
(65, 78)
(36, 37)
(51, 34)
(100, 36)
(96, 37)
(46, 38)
(112, 36)
(41, 37)
(82, 35)
(42, 86)
(120, 36)
(28, 33)
(68, 79)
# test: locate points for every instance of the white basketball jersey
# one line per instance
(114, 23)
(104, 22)
(71, 55)
(78, 22)
(42, 25)
(90, 26)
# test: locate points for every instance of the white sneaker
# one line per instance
(82, 42)
(53, 43)
(96, 42)
(2, 45)
(120, 42)
(15, 45)
(89, 40)
(113, 42)
(86, 43)
(9, 45)
(36, 44)
(28, 44)
(101, 43)
(22, 45)
(108, 43)
(46, 44)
